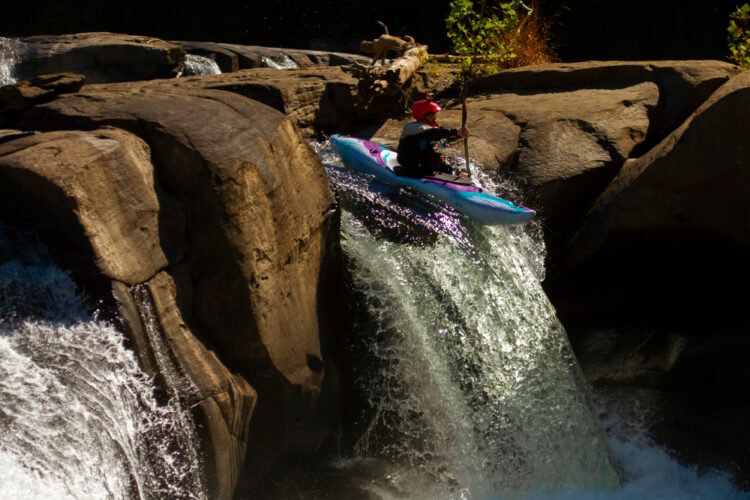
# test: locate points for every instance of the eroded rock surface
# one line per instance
(100, 57)
(233, 57)
(692, 181)
(233, 245)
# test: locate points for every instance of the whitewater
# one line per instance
(474, 391)
(78, 416)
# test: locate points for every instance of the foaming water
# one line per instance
(473, 389)
(649, 471)
(278, 62)
(78, 418)
(196, 65)
(10, 50)
(472, 385)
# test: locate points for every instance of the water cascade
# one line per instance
(472, 388)
(284, 62)
(475, 382)
(78, 417)
(10, 50)
(196, 65)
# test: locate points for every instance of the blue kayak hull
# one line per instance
(371, 158)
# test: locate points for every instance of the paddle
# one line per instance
(463, 124)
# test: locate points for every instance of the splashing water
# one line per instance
(196, 65)
(472, 386)
(474, 382)
(285, 62)
(10, 50)
(78, 418)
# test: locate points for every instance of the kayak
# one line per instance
(371, 158)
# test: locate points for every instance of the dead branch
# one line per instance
(388, 80)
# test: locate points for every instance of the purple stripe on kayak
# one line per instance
(455, 187)
(374, 150)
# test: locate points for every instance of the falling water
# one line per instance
(474, 381)
(472, 388)
(78, 418)
(200, 65)
(284, 62)
(10, 50)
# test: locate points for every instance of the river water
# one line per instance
(78, 417)
(471, 386)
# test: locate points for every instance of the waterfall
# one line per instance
(473, 380)
(10, 51)
(200, 65)
(78, 417)
(471, 387)
(284, 62)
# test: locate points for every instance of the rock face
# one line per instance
(229, 247)
(16, 99)
(692, 181)
(96, 192)
(580, 122)
(662, 257)
(100, 57)
(232, 57)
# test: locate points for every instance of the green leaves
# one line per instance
(483, 34)
(738, 37)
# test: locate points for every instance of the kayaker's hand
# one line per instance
(464, 174)
(464, 132)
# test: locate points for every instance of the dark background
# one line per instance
(581, 29)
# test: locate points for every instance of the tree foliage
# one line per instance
(489, 35)
(739, 37)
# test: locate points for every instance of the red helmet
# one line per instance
(424, 107)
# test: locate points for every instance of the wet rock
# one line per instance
(256, 206)
(225, 58)
(100, 57)
(233, 57)
(96, 195)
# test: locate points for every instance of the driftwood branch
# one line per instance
(388, 80)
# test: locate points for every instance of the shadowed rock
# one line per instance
(96, 195)
(100, 57)
(692, 181)
(16, 99)
(255, 202)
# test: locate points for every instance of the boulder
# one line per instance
(100, 57)
(16, 99)
(256, 203)
(253, 56)
(315, 99)
(683, 85)
(95, 193)
(105, 179)
(691, 182)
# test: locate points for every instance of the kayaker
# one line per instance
(420, 148)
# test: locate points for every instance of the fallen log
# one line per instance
(388, 80)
